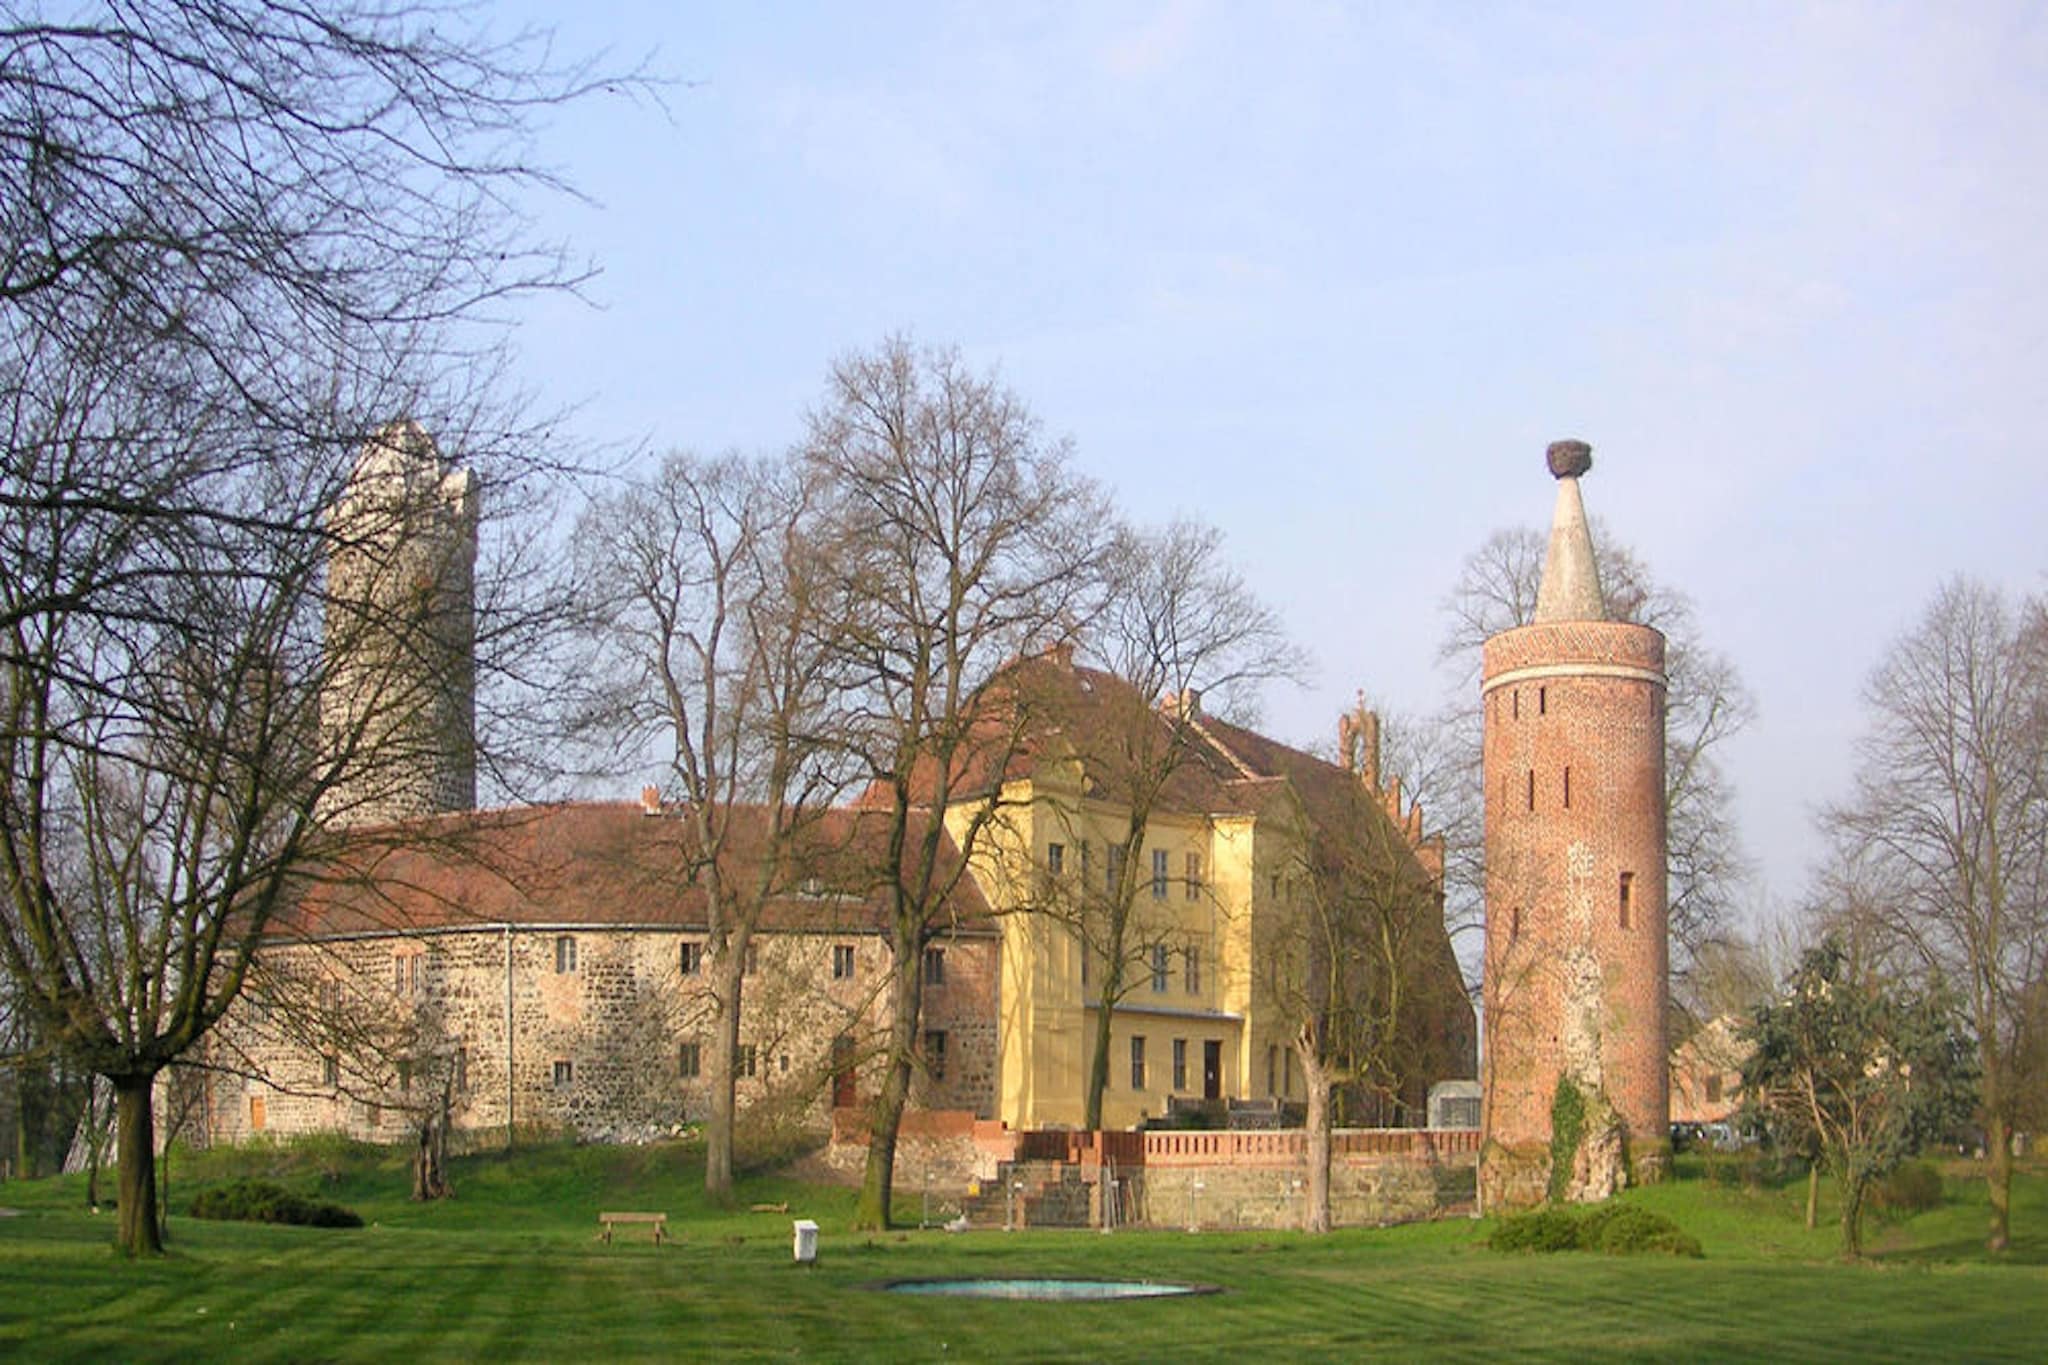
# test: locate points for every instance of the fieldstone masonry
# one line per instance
(600, 1020)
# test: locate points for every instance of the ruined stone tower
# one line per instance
(1576, 955)
(399, 706)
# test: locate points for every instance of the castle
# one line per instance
(542, 964)
(540, 967)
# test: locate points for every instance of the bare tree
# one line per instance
(1180, 630)
(238, 237)
(960, 541)
(1344, 965)
(1951, 810)
(698, 606)
(1706, 703)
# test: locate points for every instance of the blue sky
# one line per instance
(1330, 276)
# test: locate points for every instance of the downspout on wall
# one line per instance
(509, 1090)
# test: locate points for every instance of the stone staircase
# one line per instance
(1053, 1196)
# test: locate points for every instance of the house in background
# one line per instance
(1706, 1072)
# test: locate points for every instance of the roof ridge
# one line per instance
(1230, 756)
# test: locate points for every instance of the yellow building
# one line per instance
(1221, 882)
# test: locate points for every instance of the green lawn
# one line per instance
(510, 1269)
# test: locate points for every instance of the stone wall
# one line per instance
(359, 1035)
(1260, 1180)
(1189, 1179)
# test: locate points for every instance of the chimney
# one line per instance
(1188, 703)
(650, 800)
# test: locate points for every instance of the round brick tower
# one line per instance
(398, 708)
(1576, 955)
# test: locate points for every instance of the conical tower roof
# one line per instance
(1571, 575)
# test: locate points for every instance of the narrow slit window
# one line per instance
(1542, 701)
(1628, 881)
(1532, 789)
(1514, 924)
(1516, 707)
(1567, 788)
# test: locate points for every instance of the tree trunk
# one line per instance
(725, 1050)
(137, 1230)
(878, 1182)
(1998, 1176)
(430, 1163)
(1852, 1218)
(1316, 1216)
(1812, 1194)
(1098, 1060)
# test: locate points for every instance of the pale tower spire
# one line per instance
(1571, 572)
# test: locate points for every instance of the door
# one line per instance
(256, 1115)
(845, 1094)
(1212, 1070)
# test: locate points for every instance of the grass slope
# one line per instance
(510, 1270)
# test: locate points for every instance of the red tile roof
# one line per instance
(598, 865)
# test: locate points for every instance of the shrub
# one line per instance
(1615, 1229)
(259, 1201)
(1913, 1187)
(1545, 1229)
(1626, 1230)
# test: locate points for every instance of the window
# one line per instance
(842, 961)
(690, 1061)
(1115, 874)
(748, 1060)
(1159, 969)
(1180, 1064)
(1194, 876)
(565, 954)
(1087, 860)
(1272, 1070)
(1055, 858)
(753, 962)
(1713, 1090)
(328, 996)
(404, 1077)
(461, 1067)
(690, 957)
(398, 966)
(1158, 874)
(1514, 924)
(375, 1114)
(1628, 881)
(330, 1070)
(1138, 1061)
(1192, 969)
(1542, 700)
(935, 966)
(935, 1053)
(1567, 788)
(1287, 1072)
(1085, 956)
(1532, 789)
(565, 1072)
(1517, 695)
(783, 1063)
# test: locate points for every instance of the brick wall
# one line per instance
(1575, 983)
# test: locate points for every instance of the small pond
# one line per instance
(1043, 1288)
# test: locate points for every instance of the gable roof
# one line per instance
(597, 865)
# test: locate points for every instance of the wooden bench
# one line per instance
(611, 1220)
